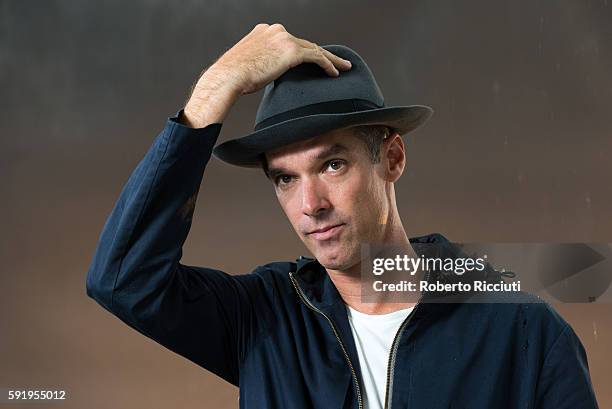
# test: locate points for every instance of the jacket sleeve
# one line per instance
(203, 314)
(564, 382)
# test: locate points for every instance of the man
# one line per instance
(299, 334)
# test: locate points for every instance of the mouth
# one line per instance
(326, 232)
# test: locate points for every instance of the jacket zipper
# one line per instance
(394, 346)
(391, 363)
(312, 307)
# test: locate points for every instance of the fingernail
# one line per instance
(349, 63)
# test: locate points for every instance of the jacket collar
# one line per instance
(320, 290)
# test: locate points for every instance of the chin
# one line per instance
(333, 264)
(334, 259)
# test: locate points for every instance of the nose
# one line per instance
(314, 198)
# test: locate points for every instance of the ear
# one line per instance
(393, 156)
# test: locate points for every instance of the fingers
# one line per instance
(296, 50)
(316, 55)
(330, 62)
(338, 62)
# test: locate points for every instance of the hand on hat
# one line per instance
(267, 52)
(258, 58)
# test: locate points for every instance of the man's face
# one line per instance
(334, 196)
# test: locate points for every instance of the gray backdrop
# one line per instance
(517, 151)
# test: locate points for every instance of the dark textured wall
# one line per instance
(517, 151)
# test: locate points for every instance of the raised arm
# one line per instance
(203, 314)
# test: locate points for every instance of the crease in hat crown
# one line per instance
(305, 101)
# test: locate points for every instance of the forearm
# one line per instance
(152, 217)
(212, 98)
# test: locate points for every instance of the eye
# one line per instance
(335, 164)
(283, 179)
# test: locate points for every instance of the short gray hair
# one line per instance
(372, 136)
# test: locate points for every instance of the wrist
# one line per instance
(219, 80)
(211, 100)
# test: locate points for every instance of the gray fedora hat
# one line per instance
(305, 102)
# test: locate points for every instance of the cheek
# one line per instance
(361, 199)
(291, 211)
(373, 204)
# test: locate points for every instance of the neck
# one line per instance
(349, 282)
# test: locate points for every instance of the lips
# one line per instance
(326, 232)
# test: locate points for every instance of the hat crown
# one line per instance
(308, 89)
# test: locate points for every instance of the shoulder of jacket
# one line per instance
(275, 269)
(528, 306)
(540, 319)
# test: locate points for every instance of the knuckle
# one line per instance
(278, 26)
(292, 47)
(260, 26)
(311, 45)
(284, 38)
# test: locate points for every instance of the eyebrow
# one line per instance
(335, 149)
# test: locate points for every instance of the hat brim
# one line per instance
(247, 151)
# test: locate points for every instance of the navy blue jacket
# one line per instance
(281, 333)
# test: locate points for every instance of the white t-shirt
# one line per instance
(373, 336)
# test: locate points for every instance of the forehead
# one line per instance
(333, 142)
